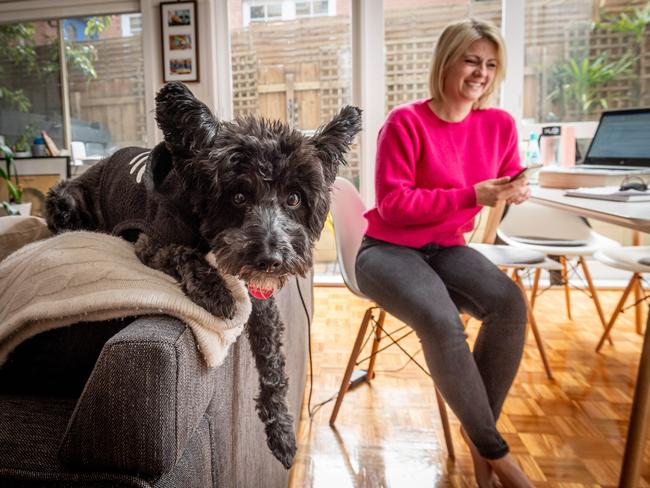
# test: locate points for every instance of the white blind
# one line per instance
(30, 10)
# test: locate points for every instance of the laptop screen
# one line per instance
(622, 139)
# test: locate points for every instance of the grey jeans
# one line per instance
(426, 288)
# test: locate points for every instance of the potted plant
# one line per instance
(22, 146)
(15, 205)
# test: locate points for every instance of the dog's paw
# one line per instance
(211, 293)
(219, 303)
(224, 305)
(282, 444)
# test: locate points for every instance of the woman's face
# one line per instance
(472, 74)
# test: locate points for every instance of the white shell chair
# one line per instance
(631, 258)
(349, 226)
(557, 233)
(347, 210)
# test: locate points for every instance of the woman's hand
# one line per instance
(489, 192)
(521, 197)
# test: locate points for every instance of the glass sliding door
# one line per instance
(105, 91)
(105, 84)
(30, 89)
(292, 61)
(582, 58)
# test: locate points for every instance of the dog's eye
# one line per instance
(239, 199)
(293, 200)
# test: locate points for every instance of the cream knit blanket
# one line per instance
(86, 276)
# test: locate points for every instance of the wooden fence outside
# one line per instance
(560, 30)
(296, 72)
(115, 100)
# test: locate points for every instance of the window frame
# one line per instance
(20, 11)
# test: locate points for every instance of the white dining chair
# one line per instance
(347, 211)
(555, 232)
(630, 258)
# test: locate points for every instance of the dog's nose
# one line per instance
(269, 262)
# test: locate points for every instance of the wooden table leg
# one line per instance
(638, 428)
(636, 241)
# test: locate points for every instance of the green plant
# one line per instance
(634, 22)
(576, 82)
(14, 188)
(23, 141)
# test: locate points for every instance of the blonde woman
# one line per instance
(439, 161)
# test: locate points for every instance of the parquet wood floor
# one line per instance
(567, 433)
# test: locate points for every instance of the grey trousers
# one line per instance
(426, 288)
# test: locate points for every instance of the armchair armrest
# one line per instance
(147, 393)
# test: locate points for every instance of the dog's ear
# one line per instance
(158, 167)
(186, 122)
(333, 140)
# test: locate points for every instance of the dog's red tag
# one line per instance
(259, 293)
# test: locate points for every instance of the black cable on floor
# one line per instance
(311, 411)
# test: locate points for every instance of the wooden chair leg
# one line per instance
(638, 309)
(594, 295)
(533, 292)
(533, 327)
(565, 279)
(356, 349)
(444, 418)
(639, 306)
(375, 344)
(617, 310)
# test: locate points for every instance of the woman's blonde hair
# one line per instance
(453, 43)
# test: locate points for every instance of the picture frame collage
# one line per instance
(180, 50)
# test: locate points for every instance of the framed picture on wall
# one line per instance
(180, 49)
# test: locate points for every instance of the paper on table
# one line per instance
(611, 193)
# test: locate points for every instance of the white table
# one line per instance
(633, 216)
(626, 214)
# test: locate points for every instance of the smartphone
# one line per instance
(525, 172)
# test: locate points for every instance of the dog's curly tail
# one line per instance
(67, 208)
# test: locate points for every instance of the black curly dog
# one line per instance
(246, 198)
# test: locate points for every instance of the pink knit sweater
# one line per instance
(427, 168)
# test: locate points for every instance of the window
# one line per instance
(106, 98)
(312, 8)
(298, 71)
(581, 60)
(131, 24)
(303, 9)
(320, 7)
(30, 87)
(257, 12)
(272, 10)
(260, 10)
(411, 30)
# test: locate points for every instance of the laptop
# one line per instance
(621, 142)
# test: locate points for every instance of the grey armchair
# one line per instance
(131, 403)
